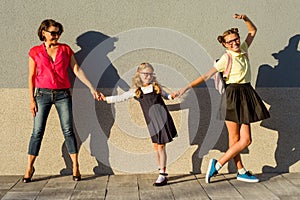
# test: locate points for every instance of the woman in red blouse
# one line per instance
(49, 84)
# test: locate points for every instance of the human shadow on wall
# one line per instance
(279, 87)
(197, 135)
(109, 80)
(105, 113)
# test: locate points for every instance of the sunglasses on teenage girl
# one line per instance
(54, 33)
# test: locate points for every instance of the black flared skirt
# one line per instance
(241, 104)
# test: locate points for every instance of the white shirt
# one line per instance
(131, 93)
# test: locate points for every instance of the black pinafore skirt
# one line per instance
(159, 121)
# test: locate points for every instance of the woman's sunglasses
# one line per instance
(54, 33)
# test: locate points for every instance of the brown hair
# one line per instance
(221, 39)
(137, 83)
(46, 24)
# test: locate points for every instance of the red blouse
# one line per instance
(52, 74)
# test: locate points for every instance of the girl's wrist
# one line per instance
(245, 18)
(92, 89)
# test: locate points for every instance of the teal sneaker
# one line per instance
(211, 171)
(247, 177)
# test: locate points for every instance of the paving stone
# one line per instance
(7, 182)
(149, 192)
(96, 183)
(131, 193)
(146, 181)
(122, 181)
(164, 192)
(292, 175)
(2, 193)
(61, 185)
(295, 181)
(28, 195)
(59, 178)
(174, 179)
(35, 185)
(186, 188)
(294, 178)
(267, 176)
(189, 193)
(57, 194)
(255, 191)
(6, 186)
(10, 179)
(88, 195)
(280, 186)
(220, 188)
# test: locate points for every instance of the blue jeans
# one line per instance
(63, 103)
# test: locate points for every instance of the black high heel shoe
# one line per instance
(27, 180)
(77, 178)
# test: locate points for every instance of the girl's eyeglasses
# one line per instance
(147, 74)
(233, 40)
(54, 33)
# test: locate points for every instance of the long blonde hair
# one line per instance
(137, 82)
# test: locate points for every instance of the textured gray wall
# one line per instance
(179, 37)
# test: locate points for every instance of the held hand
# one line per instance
(102, 97)
(99, 96)
(95, 94)
(33, 108)
(174, 95)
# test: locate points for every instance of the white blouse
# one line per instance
(130, 94)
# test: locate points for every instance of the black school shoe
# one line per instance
(164, 182)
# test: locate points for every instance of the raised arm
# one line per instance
(251, 28)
